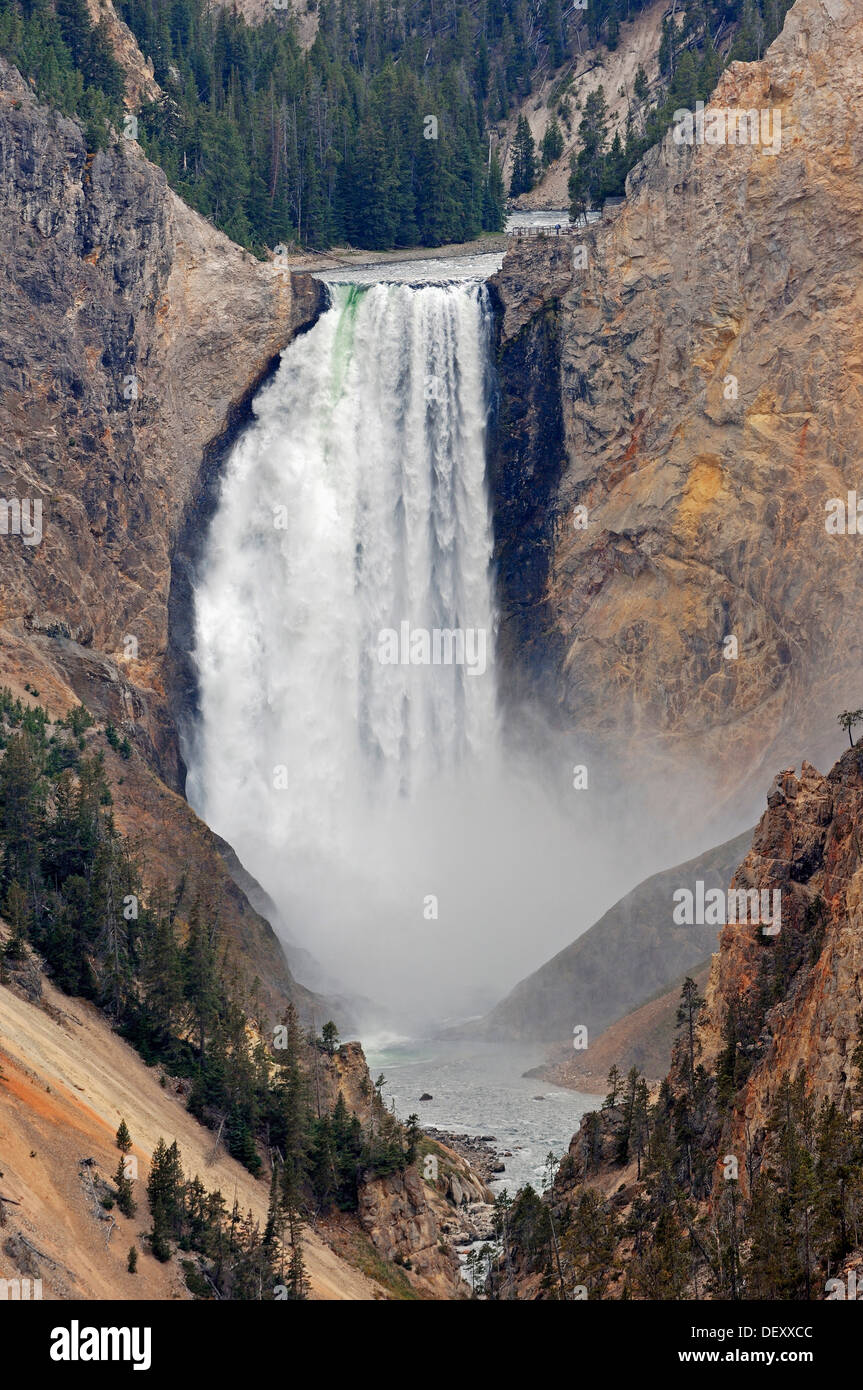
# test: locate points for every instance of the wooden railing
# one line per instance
(529, 232)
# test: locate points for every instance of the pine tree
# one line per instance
(413, 1134)
(667, 46)
(688, 1009)
(624, 1133)
(614, 1083)
(161, 978)
(297, 1282)
(200, 972)
(588, 169)
(123, 1188)
(641, 1122)
(164, 1189)
(590, 1242)
(590, 1137)
(494, 197)
(75, 28)
(289, 1117)
(275, 1216)
(732, 1064)
(22, 809)
(17, 913)
(684, 88)
(524, 160)
(552, 142)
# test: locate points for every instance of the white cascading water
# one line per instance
(355, 505)
(411, 855)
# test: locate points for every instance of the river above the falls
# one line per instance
(429, 271)
(421, 269)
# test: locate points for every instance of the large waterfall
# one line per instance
(345, 628)
(355, 505)
(348, 746)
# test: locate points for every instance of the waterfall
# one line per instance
(344, 617)
(348, 745)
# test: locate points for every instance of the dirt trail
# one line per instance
(65, 1083)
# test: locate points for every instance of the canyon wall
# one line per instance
(800, 991)
(634, 951)
(132, 338)
(703, 403)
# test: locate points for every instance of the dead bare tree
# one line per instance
(211, 1160)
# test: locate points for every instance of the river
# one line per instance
(479, 1089)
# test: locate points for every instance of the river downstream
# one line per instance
(479, 1089)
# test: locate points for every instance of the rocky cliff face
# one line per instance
(781, 1019)
(139, 81)
(702, 403)
(802, 989)
(797, 994)
(133, 335)
(411, 1222)
(408, 1222)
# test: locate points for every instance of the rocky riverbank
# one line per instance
(477, 1150)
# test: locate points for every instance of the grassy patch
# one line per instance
(366, 1259)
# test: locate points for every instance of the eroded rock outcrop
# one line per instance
(807, 846)
(139, 81)
(133, 335)
(704, 402)
(413, 1222)
(417, 1223)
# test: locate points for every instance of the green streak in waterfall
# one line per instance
(348, 297)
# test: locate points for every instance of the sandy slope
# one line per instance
(66, 1081)
(639, 43)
